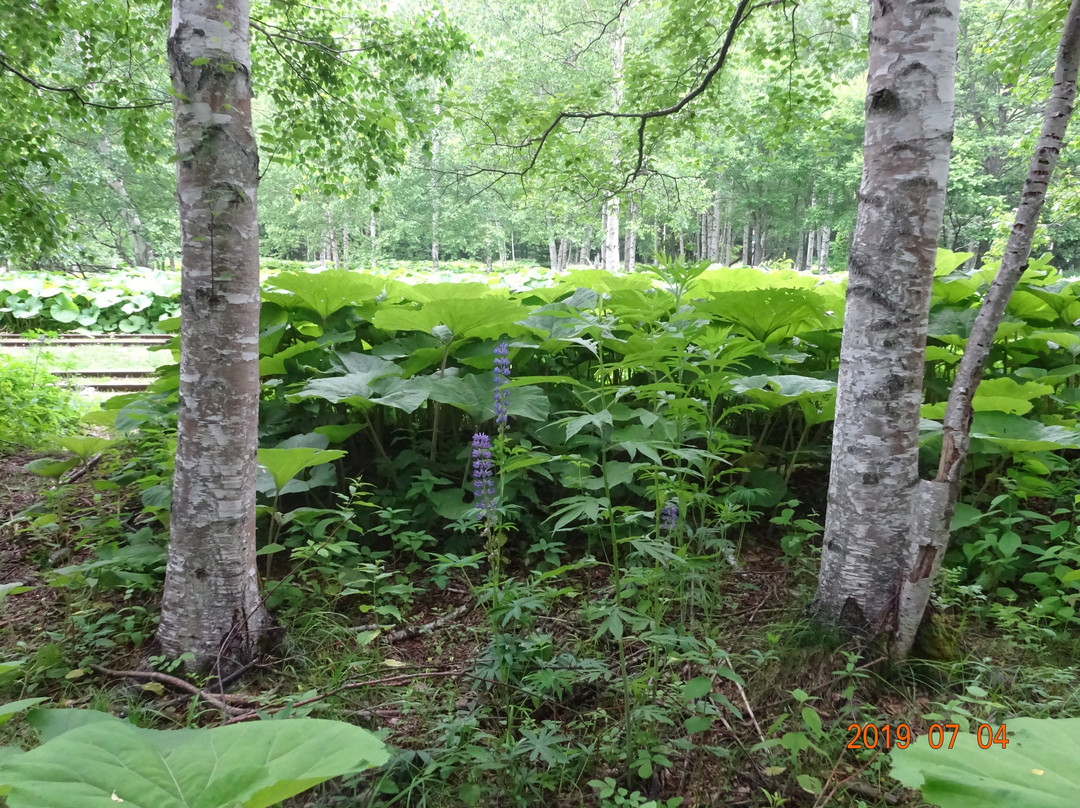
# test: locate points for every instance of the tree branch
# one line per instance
(536, 144)
(77, 92)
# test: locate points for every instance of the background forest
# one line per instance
(764, 169)
(542, 386)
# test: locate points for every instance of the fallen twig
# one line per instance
(409, 632)
(386, 680)
(413, 631)
(218, 701)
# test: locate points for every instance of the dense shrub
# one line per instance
(33, 406)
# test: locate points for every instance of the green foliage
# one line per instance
(100, 760)
(128, 302)
(1035, 767)
(34, 408)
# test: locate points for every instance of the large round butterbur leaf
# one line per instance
(490, 316)
(63, 309)
(24, 308)
(769, 315)
(948, 262)
(1017, 434)
(1036, 768)
(327, 291)
(776, 391)
(108, 762)
(284, 464)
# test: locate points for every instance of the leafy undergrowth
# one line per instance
(615, 615)
(525, 689)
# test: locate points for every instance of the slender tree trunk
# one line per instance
(345, 240)
(726, 257)
(746, 242)
(938, 497)
(875, 474)
(374, 241)
(141, 253)
(433, 192)
(610, 245)
(332, 236)
(553, 248)
(823, 249)
(714, 229)
(630, 240)
(211, 605)
(800, 256)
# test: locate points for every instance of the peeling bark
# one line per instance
(211, 605)
(875, 476)
(931, 534)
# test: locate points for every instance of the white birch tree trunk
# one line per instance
(373, 236)
(823, 249)
(939, 497)
(610, 245)
(630, 239)
(875, 475)
(345, 240)
(332, 238)
(725, 257)
(211, 605)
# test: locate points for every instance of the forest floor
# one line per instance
(782, 701)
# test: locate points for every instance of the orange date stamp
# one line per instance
(871, 736)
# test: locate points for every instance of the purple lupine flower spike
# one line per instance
(484, 478)
(669, 515)
(502, 376)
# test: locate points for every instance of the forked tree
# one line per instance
(887, 529)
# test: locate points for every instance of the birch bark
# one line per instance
(610, 246)
(211, 605)
(874, 478)
(938, 497)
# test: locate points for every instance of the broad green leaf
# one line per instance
(349, 386)
(1035, 769)
(109, 762)
(769, 315)
(401, 394)
(948, 262)
(965, 516)
(327, 291)
(85, 446)
(271, 365)
(1017, 434)
(51, 467)
(339, 433)
(284, 464)
(697, 688)
(63, 309)
(13, 708)
(598, 420)
(484, 317)
(819, 395)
